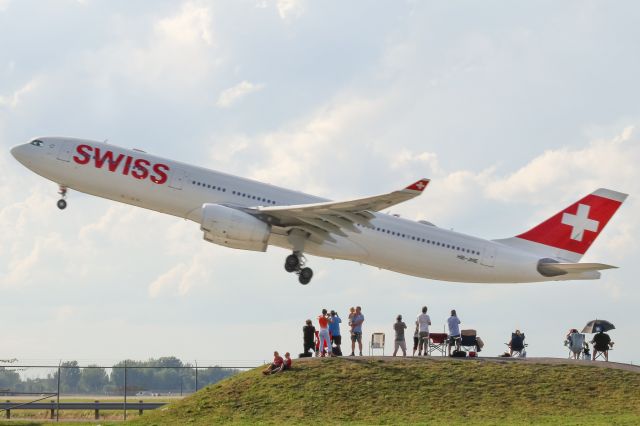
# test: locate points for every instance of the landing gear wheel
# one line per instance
(292, 263)
(62, 204)
(305, 276)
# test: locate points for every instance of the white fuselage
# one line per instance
(390, 242)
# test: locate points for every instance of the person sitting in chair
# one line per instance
(576, 343)
(601, 343)
(516, 343)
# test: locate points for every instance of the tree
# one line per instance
(69, 376)
(9, 379)
(93, 379)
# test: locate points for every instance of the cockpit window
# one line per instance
(37, 142)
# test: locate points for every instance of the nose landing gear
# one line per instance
(295, 263)
(62, 203)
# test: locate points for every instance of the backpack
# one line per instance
(336, 351)
(459, 354)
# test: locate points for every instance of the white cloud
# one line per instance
(12, 101)
(181, 278)
(611, 161)
(234, 94)
(313, 144)
(191, 25)
(290, 9)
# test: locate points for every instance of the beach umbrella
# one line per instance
(598, 325)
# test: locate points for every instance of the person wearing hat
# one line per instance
(399, 342)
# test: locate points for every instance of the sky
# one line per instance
(514, 110)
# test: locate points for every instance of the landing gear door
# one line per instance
(64, 154)
(488, 256)
(178, 179)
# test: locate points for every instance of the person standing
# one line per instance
(454, 331)
(356, 330)
(308, 335)
(334, 330)
(416, 339)
(399, 327)
(423, 332)
(323, 321)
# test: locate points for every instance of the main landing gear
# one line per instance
(62, 203)
(295, 263)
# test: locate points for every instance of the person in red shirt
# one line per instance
(275, 365)
(325, 338)
(286, 365)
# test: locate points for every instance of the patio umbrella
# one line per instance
(598, 325)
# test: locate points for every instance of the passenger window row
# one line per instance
(424, 240)
(238, 193)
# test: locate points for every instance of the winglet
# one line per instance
(419, 185)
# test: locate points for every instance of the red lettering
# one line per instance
(127, 165)
(112, 164)
(140, 170)
(84, 154)
(160, 169)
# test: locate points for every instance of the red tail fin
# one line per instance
(575, 228)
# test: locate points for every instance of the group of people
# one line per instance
(578, 345)
(421, 333)
(278, 365)
(327, 339)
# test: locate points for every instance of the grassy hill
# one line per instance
(416, 391)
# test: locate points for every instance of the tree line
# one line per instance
(162, 375)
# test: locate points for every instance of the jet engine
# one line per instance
(234, 228)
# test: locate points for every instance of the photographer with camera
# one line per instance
(334, 330)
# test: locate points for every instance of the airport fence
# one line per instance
(97, 391)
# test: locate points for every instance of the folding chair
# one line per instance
(518, 349)
(601, 354)
(575, 343)
(377, 342)
(437, 343)
(468, 341)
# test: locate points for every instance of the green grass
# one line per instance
(414, 392)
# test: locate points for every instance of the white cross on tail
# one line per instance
(580, 222)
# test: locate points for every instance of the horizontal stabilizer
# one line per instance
(552, 269)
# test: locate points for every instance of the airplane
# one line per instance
(245, 214)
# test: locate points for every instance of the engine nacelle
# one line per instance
(234, 228)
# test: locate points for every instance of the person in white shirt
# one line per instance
(454, 331)
(423, 332)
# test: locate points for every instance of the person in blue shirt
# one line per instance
(356, 330)
(334, 330)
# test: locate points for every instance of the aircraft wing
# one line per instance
(322, 219)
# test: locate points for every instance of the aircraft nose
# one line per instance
(19, 153)
(14, 152)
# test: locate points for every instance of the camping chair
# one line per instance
(575, 343)
(468, 341)
(377, 342)
(437, 343)
(601, 354)
(518, 350)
